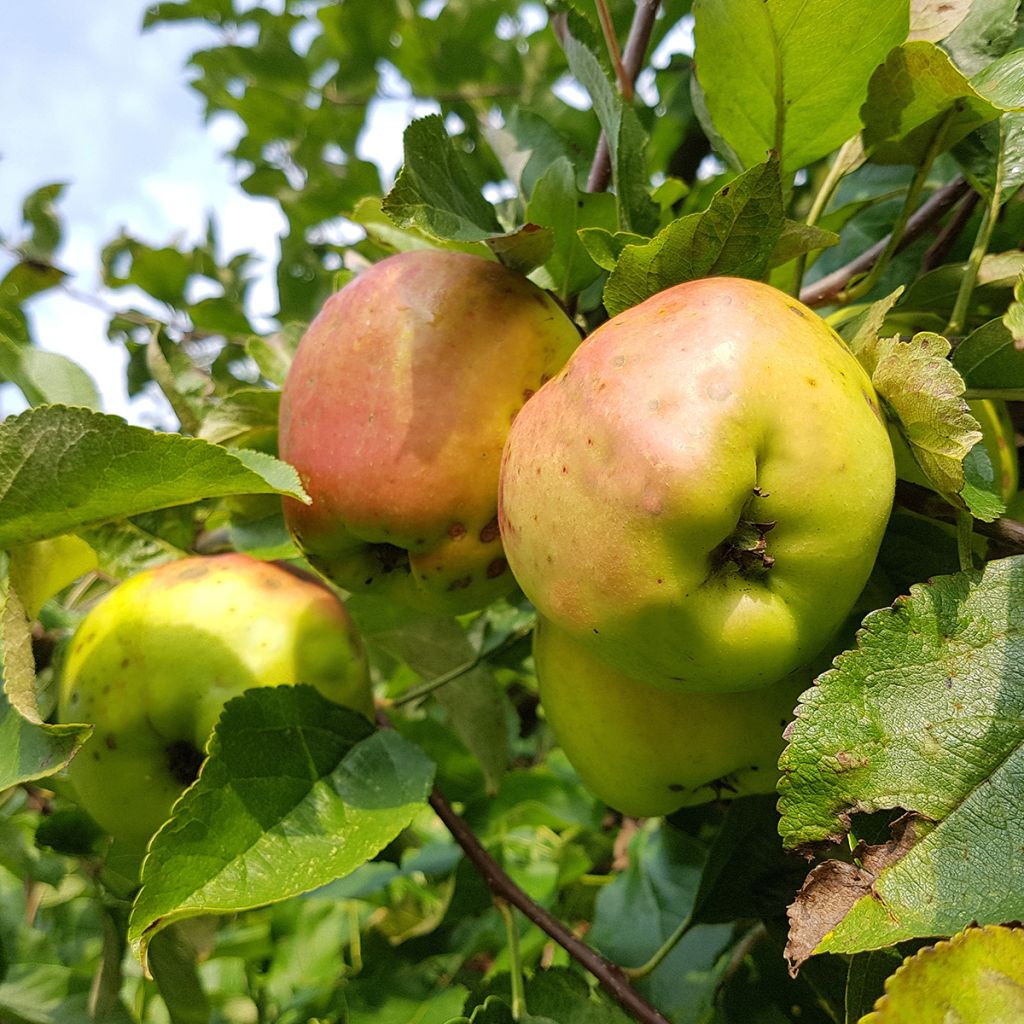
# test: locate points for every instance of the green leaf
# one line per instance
(26, 279)
(987, 32)
(295, 793)
(369, 214)
(998, 146)
(918, 102)
(1013, 318)
(247, 418)
(558, 204)
(645, 904)
(627, 141)
(40, 214)
(126, 547)
(605, 247)
(525, 249)
(736, 234)
(49, 993)
(977, 976)
(46, 377)
(40, 570)
(798, 238)
(527, 147)
(925, 714)
(988, 359)
(31, 751)
(62, 469)
(922, 388)
(273, 355)
(784, 76)
(434, 191)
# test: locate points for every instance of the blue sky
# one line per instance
(92, 101)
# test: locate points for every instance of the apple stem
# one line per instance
(611, 977)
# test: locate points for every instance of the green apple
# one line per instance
(645, 750)
(395, 412)
(699, 496)
(153, 663)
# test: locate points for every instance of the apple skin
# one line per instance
(153, 663)
(634, 483)
(648, 751)
(395, 412)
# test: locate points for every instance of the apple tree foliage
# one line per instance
(867, 156)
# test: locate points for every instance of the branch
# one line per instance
(822, 292)
(632, 61)
(1008, 533)
(608, 974)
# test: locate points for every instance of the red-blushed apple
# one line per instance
(699, 496)
(153, 663)
(395, 412)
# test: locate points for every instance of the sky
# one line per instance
(92, 101)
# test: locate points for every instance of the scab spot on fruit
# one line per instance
(490, 532)
(676, 787)
(619, 361)
(718, 391)
(496, 568)
(811, 381)
(457, 530)
(799, 312)
(528, 393)
(192, 572)
(110, 741)
(460, 584)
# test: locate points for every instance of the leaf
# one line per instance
(918, 102)
(40, 570)
(627, 141)
(40, 214)
(273, 355)
(735, 235)
(605, 247)
(369, 214)
(977, 976)
(128, 546)
(434, 191)
(935, 19)
(246, 418)
(783, 76)
(798, 238)
(295, 793)
(924, 714)
(558, 204)
(527, 147)
(998, 146)
(45, 377)
(525, 249)
(925, 392)
(63, 468)
(987, 32)
(988, 359)
(645, 904)
(1013, 318)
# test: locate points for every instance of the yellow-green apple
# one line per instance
(698, 497)
(153, 663)
(395, 412)
(645, 750)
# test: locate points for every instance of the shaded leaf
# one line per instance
(46, 377)
(62, 469)
(296, 791)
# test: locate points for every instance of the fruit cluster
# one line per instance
(692, 499)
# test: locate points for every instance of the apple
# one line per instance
(153, 663)
(698, 497)
(647, 751)
(394, 413)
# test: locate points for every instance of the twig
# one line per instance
(621, 75)
(608, 974)
(937, 252)
(930, 212)
(633, 54)
(1008, 533)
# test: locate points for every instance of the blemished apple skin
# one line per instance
(647, 751)
(699, 496)
(153, 663)
(395, 412)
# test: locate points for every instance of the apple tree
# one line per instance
(698, 697)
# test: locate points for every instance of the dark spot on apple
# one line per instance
(110, 740)
(125, 662)
(496, 568)
(813, 383)
(192, 572)
(799, 312)
(183, 761)
(596, 630)
(782, 723)
(565, 470)
(390, 557)
(490, 532)
(676, 787)
(457, 530)
(460, 584)
(75, 698)
(528, 393)
(755, 768)
(660, 580)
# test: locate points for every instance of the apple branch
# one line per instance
(610, 976)
(633, 54)
(827, 290)
(1007, 533)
